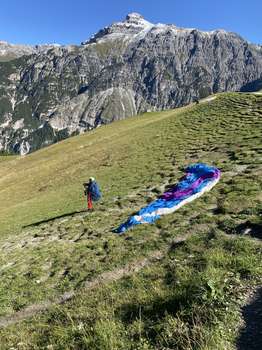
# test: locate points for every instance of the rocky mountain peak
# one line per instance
(133, 24)
(136, 19)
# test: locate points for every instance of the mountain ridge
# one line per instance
(125, 69)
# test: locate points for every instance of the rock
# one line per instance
(127, 68)
(9, 51)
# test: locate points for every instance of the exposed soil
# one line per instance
(250, 337)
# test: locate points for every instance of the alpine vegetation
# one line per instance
(69, 282)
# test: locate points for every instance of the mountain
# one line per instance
(9, 51)
(125, 69)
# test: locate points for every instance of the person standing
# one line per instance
(92, 191)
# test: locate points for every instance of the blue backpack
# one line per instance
(95, 191)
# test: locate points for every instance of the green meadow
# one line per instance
(190, 297)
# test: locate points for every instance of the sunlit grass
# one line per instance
(189, 300)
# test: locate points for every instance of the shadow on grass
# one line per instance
(55, 218)
(252, 229)
(153, 312)
(250, 337)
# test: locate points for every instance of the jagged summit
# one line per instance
(134, 27)
(136, 19)
(134, 16)
(133, 24)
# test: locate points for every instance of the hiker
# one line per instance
(92, 191)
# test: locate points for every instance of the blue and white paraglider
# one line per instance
(199, 178)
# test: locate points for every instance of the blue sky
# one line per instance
(72, 21)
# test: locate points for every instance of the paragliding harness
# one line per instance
(92, 191)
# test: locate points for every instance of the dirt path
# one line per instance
(208, 99)
(250, 337)
(105, 277)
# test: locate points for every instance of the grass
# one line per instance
(186, 301)
(4, 158)
(190, 299)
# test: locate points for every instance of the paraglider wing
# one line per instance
(199, 179)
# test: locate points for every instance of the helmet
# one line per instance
(91, 179)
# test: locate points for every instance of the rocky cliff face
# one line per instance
(9, 51)
(130, 67)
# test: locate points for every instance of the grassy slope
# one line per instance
(133, 160)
